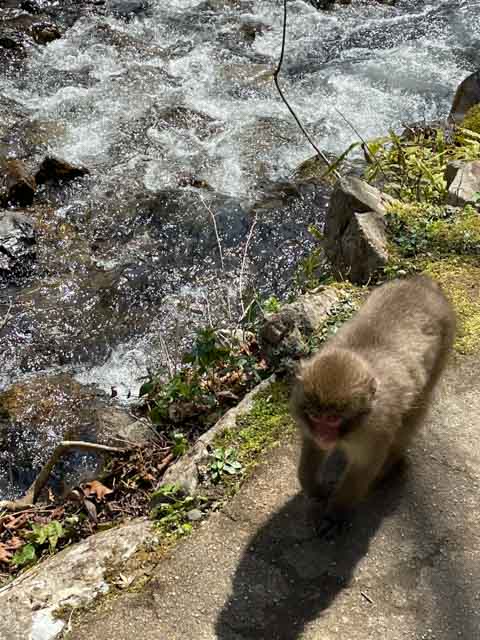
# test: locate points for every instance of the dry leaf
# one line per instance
(97, 489)
(14, 543)
(91, 510)
(5, 555)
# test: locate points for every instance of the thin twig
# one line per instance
(244, 259)
(282, 96)
(366, 596)
(209, 314)
(6, 317)
(374, 159)
(219, 244)
(170, 367)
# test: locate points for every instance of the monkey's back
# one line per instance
(404, 330)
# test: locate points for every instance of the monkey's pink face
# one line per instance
(325, 427)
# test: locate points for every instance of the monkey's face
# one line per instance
(326, 424)
(333, 396)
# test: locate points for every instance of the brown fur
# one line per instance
(378, 373)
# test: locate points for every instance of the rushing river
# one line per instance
(175, 114)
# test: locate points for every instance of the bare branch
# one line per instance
(7, 316)
(242, 270)
(364, 142)
(282, 96)
(40, 481)
(219, 244)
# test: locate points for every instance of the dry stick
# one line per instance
(247, 244)
(168, 359)
(363, 141)
(219, 244)
(275, 79)
(209, 313)
(40, 481)
(6, 317)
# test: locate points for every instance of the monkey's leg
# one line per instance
(333, 471)
(368, 456)
(309, 469)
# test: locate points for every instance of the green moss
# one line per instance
(472, 119)
(262, 427)
(419, 228)
(412, 168)
(460, 279)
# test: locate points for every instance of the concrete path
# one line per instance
(408, 569)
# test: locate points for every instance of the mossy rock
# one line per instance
(262, 427)
(472, 119)
(460, 279)
(418, 227)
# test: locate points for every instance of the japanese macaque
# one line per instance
(359, 400)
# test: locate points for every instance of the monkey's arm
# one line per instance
(367, 457)
(309, 469)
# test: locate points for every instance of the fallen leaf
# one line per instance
(91, 510)
(97, 489)
(5, 554)
(14, 543)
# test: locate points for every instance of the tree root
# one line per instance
(29, 499)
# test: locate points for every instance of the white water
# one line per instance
(107, 81)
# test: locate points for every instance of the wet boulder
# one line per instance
(466, 97)
(355, 230)
(44, 32)
(38, 413)
(17, 182)
(57, 170)
(17, 244)
(126, 8)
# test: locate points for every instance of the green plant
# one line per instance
(339, 314)
(223, 461)
(417, 229)
(216, 371)
(170, 509)
(271, 305)
(40, 537)
(412, 168)
(180, 444)
(311, 270)
(472, 119)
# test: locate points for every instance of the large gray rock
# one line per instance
(284, 335)
(466, 97)
(355, 230)
(72, 578)
(464, 183)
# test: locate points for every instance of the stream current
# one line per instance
(175, 115)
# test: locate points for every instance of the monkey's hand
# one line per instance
(333, 471)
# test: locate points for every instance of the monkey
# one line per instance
(360, 399)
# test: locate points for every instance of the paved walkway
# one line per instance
(408, 569)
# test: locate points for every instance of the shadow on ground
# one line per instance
(288, 574)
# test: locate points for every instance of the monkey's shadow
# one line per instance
(288, 574)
